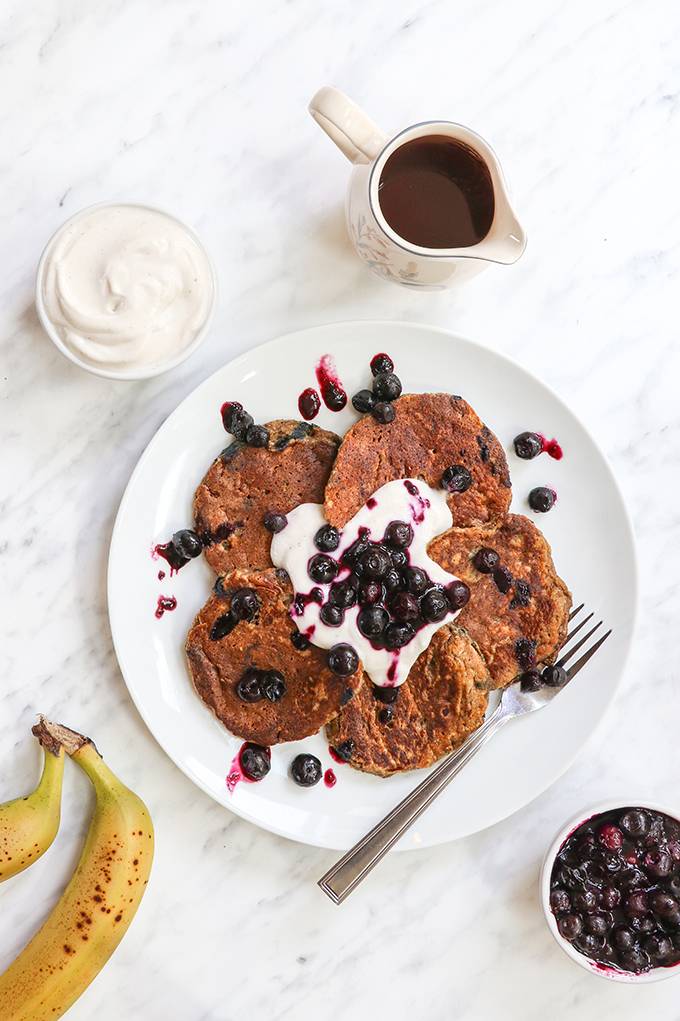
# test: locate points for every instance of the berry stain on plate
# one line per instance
(164, 605)
(329, 778)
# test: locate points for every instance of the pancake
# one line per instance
(535, 608)
(313, 694)
(430, 433)
(244, 483)
(442, 702)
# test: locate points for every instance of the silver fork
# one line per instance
(356, 864)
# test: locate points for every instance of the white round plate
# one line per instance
(589, 531)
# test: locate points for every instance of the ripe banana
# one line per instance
(28, 825)
(95, 909)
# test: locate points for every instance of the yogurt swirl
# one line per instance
(126, 286)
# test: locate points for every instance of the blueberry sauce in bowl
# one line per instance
(610, 888)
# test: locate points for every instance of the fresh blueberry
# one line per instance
(434, 605)
(245, 604)
(528, 445)
(306, 770)
(531, 681)
(486, 560)
(345, 750)
(187, 544)
(363, 401)
(554, 676)
(458, 595)
(300, 641)
(275, 522)
(404, 606)
(249, 688)
(343, 660)
(417, 582)
(332, 615)
(374, 563)
(257, 436)
(385, 694)
(542, 499)
(570, 926)
(343, 593)
(610, 836)
(387, 386)
(273, 685)
(398, 634)
(384, 413)
(456, 479)
(322, 568)
(372, 621)
(635, 822)
(560, 901)
(502, 579)
(381, 363)
(327, 539)
(386, 713)
(398, 535)
(255, 761)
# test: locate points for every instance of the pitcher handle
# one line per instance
(347, 125)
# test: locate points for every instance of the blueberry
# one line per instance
(585, 899)
(658, 863)
(522, 596)
(381, 363)
(353, 553)
(642, 925)
(398, 634)
(635, 822)
(554, 676)
(458, 594)
(659, 947)
(309, 403)
(434, 605)
(370, 592)
(387, 386)
(363, 401)
(372, 621)
(273, 685)
(385, 694)
(393, 581)
(228, 410)
(255, 761)
(399, 558)
(486, 560)
(332, 615)
(334, 396)
(223, 626)
(257, 436)
(531, 681)
(525, 653)
(386, 713)
(559, 901)
(528, 446)
(347, 696)
(611, 897)
(398, 535)
(322, 568)
(187, 543)
(502, 579)
(623, 939)
(634, 960)
(306, 770)
(663, 905)
(241, 422)
(374, 563)
(275, 522)
(404, 606)
(300, 641)
(343, 660)
(343, 594)
(570, 926)
(610, 836)
(384, 412)
(636, 904)
(245, 604)
(542, 499)
(327, 539)
(596, 924)
(417, 582)
(249, 688)
(345, 750)
(456, 479)
(589, 944)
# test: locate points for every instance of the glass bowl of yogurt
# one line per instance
(125, 290)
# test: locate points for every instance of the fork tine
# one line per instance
(570, 652)
(577, 609)
(577, 628)
(572, 671)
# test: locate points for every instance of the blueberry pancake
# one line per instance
(436, 437)
(246, 664)
(244, 483)
(519, 607)
(442, 702)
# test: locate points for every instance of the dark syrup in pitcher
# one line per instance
(436, 192)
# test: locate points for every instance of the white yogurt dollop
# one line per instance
(411, 500)
(126, 286)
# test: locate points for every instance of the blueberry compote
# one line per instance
(332, 390)
(615, 889)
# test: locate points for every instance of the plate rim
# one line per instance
(474, 345)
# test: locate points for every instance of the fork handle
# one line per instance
(356, 864)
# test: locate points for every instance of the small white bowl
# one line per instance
(602, 970)
(143, 371)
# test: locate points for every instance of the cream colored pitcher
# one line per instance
(376, 242)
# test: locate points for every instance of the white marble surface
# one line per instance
(200, 107)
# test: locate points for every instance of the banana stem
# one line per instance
(54, 737)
